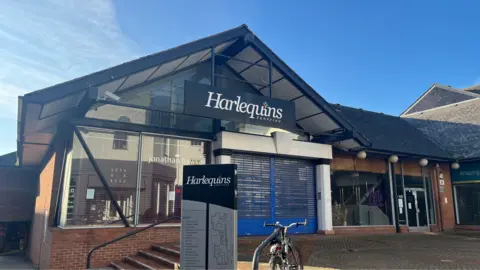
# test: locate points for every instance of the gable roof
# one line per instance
(456, 128)
(42, 110)
(391, 134)
(437, 96)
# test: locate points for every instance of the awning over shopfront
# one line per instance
(40, 112)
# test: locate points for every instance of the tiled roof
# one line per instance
(391, 133)
(455, 128)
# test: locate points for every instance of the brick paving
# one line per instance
(392, 251)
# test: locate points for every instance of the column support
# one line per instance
(222, 156)
(324, 200)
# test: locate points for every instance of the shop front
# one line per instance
(466, 190)
(112, 145)
(364, 190)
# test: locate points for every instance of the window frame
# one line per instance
(67, 170)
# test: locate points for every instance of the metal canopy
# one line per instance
(40, 112)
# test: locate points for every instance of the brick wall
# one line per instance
(39, 244)
(446, 199)
(70, 246)
(18, 188)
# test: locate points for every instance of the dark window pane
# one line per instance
(468, 204)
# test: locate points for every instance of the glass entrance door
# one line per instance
(416, 209)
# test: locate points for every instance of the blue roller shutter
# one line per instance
(254, 200)
(295, 193)
(274, 189)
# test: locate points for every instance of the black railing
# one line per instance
(90, 253)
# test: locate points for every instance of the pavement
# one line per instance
(389, 251)
(15, 262)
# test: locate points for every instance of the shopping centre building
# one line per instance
(110, 149)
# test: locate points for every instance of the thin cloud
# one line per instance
(47, 42)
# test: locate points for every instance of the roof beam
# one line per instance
(123, 70)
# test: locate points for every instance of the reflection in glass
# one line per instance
(360, 198)
(163, 159)
(468, 204)
(88, 202)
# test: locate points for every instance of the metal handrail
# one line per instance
(258, 250)
(89, 256)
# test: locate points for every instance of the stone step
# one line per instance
(121, 265)
(163, 258)
(141, 262)
(168, 249)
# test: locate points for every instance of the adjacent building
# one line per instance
(450, 117)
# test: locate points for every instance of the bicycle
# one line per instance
(283, 254)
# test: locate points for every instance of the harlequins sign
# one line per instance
(254, 111)
(238, 106)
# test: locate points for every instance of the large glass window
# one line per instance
(162, 174)
(86, 201)
(159, 104)
(116, 154)
(167, 94)
(360, 198)
(468, 204)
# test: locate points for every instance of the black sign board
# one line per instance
(209, 217)
(238, 106)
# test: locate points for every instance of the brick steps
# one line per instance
(157, 257)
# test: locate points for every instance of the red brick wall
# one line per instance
(70, 246)
(39, 244)
(18, 188)
(445, 210)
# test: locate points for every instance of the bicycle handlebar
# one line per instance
(278, 225)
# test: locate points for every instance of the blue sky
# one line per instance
(376, 55)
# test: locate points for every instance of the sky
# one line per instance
(375, 55)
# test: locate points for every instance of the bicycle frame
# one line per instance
(258, 250)
(279, 230)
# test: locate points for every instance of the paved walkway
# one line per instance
(393, 251)
(15, 262)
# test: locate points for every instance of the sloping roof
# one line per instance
(391, 133)
(439, 95)
(9, 159)
(456, 128)
(42, 110)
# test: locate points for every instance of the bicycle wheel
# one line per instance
(275, 263)
(294, 258)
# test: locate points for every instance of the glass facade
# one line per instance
(413, 196)
(467, 199)
(88, 202)
(117, 155)
(162, 174)
(360, 199)
(159, 103)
